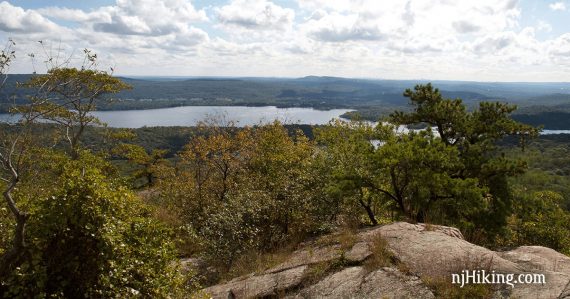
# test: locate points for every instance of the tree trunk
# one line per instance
(149, 179)
(369, 212)
(14, 257)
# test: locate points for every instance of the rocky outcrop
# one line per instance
(536, 259)
(437, 251)
(357, 282)
(333, 270)
(270, 284)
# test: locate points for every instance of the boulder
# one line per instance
(252, 286)
(308, 256)
(356, 282)
(358, 253)
(437, 252)
(538, 258)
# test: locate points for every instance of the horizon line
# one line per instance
(314, 76)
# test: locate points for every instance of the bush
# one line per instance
(93, 238)
(538, 219)
(248, 190)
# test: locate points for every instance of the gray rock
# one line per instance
(358, 253)
(308, 256)
(566, 293)
(538, 258)
(356, 282)
(343, 284)
(556, 285)
(391, 283)
(271, 284)
(434, 253)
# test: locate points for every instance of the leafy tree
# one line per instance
(12, 159)
(408, 172)
(149, 164)
(475, 135)
(538, 219)
(7, 55)
(548, 160)
(347, 155)
(93, 238)
(67, 96)
(243, 190)
(414, 170)
(280, 169)
(216, 161)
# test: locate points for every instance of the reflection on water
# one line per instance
(241, 116)
(552, 132)
(192, 115)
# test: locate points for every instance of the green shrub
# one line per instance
(538, 219)
(94, 239)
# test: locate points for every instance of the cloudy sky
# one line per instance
(483, 40)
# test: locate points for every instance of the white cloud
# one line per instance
(188, 38)
(134, 32)
(148, 17)
(134, 17)
(374, 20)
(340, 28)
(16, 19)
(559, 48)
(557, 6)
(440, 39)
(227, 48)
(492, 44)
(335, 5)
(74, 15)
(255, 14)
(418, 46)
(463, 26)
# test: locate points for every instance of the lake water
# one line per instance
(552, 132)
(240, 115)
(192, 115)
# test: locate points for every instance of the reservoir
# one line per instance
(239, 115)
(192, 115)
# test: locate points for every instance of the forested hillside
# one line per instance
(542, 103)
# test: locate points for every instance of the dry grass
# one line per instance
(429, 227)
(256, 262)
(318, 271)
(444, 289)
(381, 256)
(477, 237)
(441, 283)
(346, 238)
(404, 268)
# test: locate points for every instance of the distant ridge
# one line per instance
(372, 98)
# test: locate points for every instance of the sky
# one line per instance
(483, 40)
